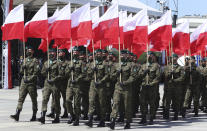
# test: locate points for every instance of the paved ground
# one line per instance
(8, 102)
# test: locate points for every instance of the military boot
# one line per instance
(16, 116)
(71, 118)
(33, 116)
(121, 118)
(143, 120)
(65, 115)
(57, 119)
(101, 123)
(175, 118)
(76, 122)
(112, 123)
(183, 112)
(151, 122)
(127, 125)
(42, 118)
(52, 114)
(196, 113)
(166, 114)
(90, 121)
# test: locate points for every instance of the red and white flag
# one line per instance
(160, 32)
(51, 20)
(140, 36)
(13, 27)
(81, 23)
(62, 26)
(198, 39)
(107, 27)
(38, 26)
(181, 38)
(95, 14)
(122, 20)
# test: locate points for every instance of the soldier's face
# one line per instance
(30, 52)
(82, 57)
(123, 57)
(175, 59)
(99, 55)
(90, 58)
(134, 58)
(61, 55)
(52, 55)
(75, 54)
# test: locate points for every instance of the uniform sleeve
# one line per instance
(106, 76)
(156, 80)
(131, 77)
(43, 71)
(81, 76)
(182, 76)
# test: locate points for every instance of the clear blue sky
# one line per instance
(186, 7)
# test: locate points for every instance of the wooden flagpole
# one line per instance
(94, 60)
(71, 59)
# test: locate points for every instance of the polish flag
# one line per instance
(140, 36)
(198, 39)
(107, 27)
(160, 32)
(81, 23)
(181, 38)
(137, 24)
(13, 27)
(38, 26)
(95, 14)
(51, 20)
(62, 25)
(122, 20)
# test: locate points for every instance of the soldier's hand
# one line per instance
(95, 69)
(73, 81)
(48, 69)
(119, 71)
(146, 71)
(26, 80)
(97, 84)
(50, 81)
(121, 84)
(24, 67)
(72, 68)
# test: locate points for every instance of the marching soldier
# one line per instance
(28, 84)
(51, 73)
(150, 76)
(97, 89)
(73, 92)
(123, 90)
(193, 75)
(174, 76)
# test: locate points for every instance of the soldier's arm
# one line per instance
(182, 76)
(35, 72)
(131, 77)
(106, 76)
(43, 71)
(157, 78)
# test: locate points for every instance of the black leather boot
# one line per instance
(127, 125)
(183, 112)
(101, 123)
(52, 114)
(196, 113)
(151, 122)
(166, 114)
(76, 122)
(143, 120)
(65, 115)
(112, 123)
(71, 118)
(16, 116)
(33, 116)
(121, 118)
(57, 119)
(42, 118)
(90, 121)
(175, 118)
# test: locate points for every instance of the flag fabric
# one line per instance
(62, 25)
(122, 20)
(51, 20)
(13, 27)
(38, 26)
(198, 39)
(107, 27)
(160, 32)
(81, 23)
(181, 38)
(95, 14)
(140, 36)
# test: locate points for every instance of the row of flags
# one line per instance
(113, 28)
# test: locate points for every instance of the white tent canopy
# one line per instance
(129, 5)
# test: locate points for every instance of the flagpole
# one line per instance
(94, 60)
(57, 54)
(190, 67)
(172, 56)
(120, 57)
(166, 57)
(147, 63)
(24, 55)
(48, 64)
(71, 59)
(86, 55)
